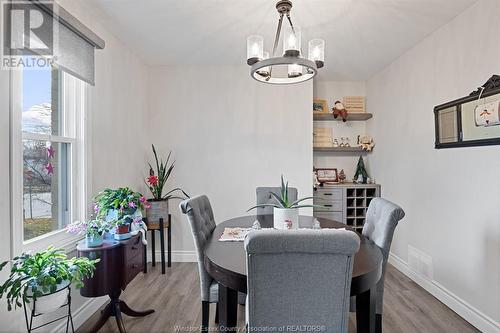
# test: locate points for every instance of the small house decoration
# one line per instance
(361, 174)
(339, 110)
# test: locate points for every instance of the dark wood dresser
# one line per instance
(120, 262)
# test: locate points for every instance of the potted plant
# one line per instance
(94, 230)
(156, 182)
(286, 213)
(120, 208)
(44, 277)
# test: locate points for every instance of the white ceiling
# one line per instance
(362, 36)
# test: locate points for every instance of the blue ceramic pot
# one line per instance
(94, 241)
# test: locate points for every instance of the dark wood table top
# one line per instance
(226, 261)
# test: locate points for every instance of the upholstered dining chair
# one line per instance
(299, 278)
(382, 217)
(264, 196)
(201, 218)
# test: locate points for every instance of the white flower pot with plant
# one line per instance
(41, 279)
(158, 204)
(286, 213)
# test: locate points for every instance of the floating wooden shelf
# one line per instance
(350, 117)
(340, 149)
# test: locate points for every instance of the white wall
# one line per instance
(229, 134)
(450, 196)
(117, 116)
(335, 91)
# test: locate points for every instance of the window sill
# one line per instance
(58, 239)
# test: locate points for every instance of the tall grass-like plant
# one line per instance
(282, 201)
(157, 180)
(35, 275)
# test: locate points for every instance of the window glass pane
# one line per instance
(46, 195)
(40, 101)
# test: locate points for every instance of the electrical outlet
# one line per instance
(420, 262)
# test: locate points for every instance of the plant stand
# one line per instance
(68, 317)
(160, 227)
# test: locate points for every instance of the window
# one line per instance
(48, 153)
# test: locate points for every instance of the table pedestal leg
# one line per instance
(228, 308)
(365, 311)
(114, 308)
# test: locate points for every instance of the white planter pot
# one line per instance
(51, 302)
(286, 218)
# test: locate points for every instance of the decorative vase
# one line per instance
(49, 302)
(158, 209)
(94, 240)
(286, 218)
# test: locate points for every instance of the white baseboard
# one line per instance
(177, 256)
(83, 313)
(461, 307)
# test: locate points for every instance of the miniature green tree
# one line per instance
(361, 170)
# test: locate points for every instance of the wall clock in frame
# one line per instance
(469, 121)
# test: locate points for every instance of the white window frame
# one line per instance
(74, 94)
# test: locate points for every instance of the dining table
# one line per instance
(225, 262)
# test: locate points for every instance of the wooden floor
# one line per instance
(176, 298)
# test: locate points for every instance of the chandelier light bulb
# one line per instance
(317, 51)
(255, 49)
(291, 42)
(265, 71)
(294, 70)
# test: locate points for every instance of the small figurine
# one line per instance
(342, 176)
(347, 144)
(342, 144)
(335, 143)
(339, 110)
(366, 142)
(316, 224)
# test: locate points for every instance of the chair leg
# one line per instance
(217, 313)
(378, 323)
(205, 313)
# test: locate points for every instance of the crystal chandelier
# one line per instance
(291, 67)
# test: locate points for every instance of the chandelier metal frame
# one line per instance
(290, 57)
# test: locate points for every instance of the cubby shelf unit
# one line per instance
(346, 203)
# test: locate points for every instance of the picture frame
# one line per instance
(463, 122)
(320, 106)
(327, 175)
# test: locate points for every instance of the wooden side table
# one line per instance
(160, 226)
(120, 262)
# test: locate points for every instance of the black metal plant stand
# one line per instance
(69, 317)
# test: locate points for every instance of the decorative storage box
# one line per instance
(322, 137)
(355, 104)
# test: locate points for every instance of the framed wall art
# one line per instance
(473, 120)
(320, 106)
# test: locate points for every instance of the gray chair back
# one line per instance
(299, 278)
(264, 196)
(382, 218)
(201, 218)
